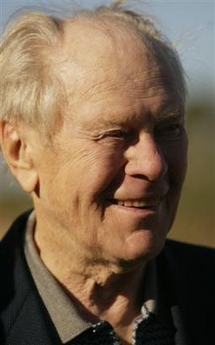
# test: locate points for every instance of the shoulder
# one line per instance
(12, 257)
(189, 269)
(193, 269)
(11, 248)
(14, 286)
(189, 255)
(12, 252)
(15, 233)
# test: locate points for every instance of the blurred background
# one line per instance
(190, 24)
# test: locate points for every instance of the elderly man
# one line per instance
(92, 127)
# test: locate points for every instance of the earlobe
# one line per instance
(18, 155)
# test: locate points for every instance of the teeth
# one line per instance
(121, 203)
(128, 203)
(138, 203)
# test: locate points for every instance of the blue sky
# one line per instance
(188, 23)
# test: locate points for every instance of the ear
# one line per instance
(18, 154)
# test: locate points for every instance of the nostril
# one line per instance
(150, 167)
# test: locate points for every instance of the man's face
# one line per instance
(110, 184)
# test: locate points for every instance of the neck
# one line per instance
(99, 289)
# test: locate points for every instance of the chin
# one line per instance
(144, 245)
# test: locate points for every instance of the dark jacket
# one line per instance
(186, 274)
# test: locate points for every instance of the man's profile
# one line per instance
(92, 127)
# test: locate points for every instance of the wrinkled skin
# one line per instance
(122, 139)
(106, 189)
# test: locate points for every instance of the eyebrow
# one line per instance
(170, 113)
(167, 113)
(115, 121)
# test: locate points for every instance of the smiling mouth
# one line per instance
(139, 203)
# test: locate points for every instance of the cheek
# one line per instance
(97, 166)
(176, 156)
(86, 174)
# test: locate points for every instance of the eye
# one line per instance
(169, 131)
(117, 137)
(117, 133)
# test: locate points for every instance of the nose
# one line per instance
(146, 159)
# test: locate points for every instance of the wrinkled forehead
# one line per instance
(93, 52)
(98, 44)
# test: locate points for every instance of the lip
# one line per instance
(138, 203)
(137, 213)
(141, 205)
